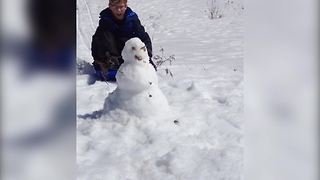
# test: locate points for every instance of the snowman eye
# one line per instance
(143, 48)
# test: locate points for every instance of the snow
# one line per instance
(202, 137)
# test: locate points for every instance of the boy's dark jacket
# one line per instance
(111, 35)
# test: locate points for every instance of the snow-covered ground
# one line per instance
(205, 91)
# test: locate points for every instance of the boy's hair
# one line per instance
(117, 1)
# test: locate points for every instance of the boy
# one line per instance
(118, 23)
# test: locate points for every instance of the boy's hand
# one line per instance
(112, 62)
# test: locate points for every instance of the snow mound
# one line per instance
(155, 149)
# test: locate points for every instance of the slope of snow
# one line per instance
(204, 140)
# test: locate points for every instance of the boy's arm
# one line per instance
(102, 48)
(98, 48)
(144, 36)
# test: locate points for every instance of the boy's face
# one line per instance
(118, 9)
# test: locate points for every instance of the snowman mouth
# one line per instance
(139, 58)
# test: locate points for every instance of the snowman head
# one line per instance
(135, 51)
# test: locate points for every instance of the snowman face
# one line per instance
(135, 51)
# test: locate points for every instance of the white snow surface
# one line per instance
(203, 139)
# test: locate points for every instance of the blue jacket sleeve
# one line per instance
(144, 36)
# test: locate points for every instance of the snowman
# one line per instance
(137, 91)
(136, 73)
